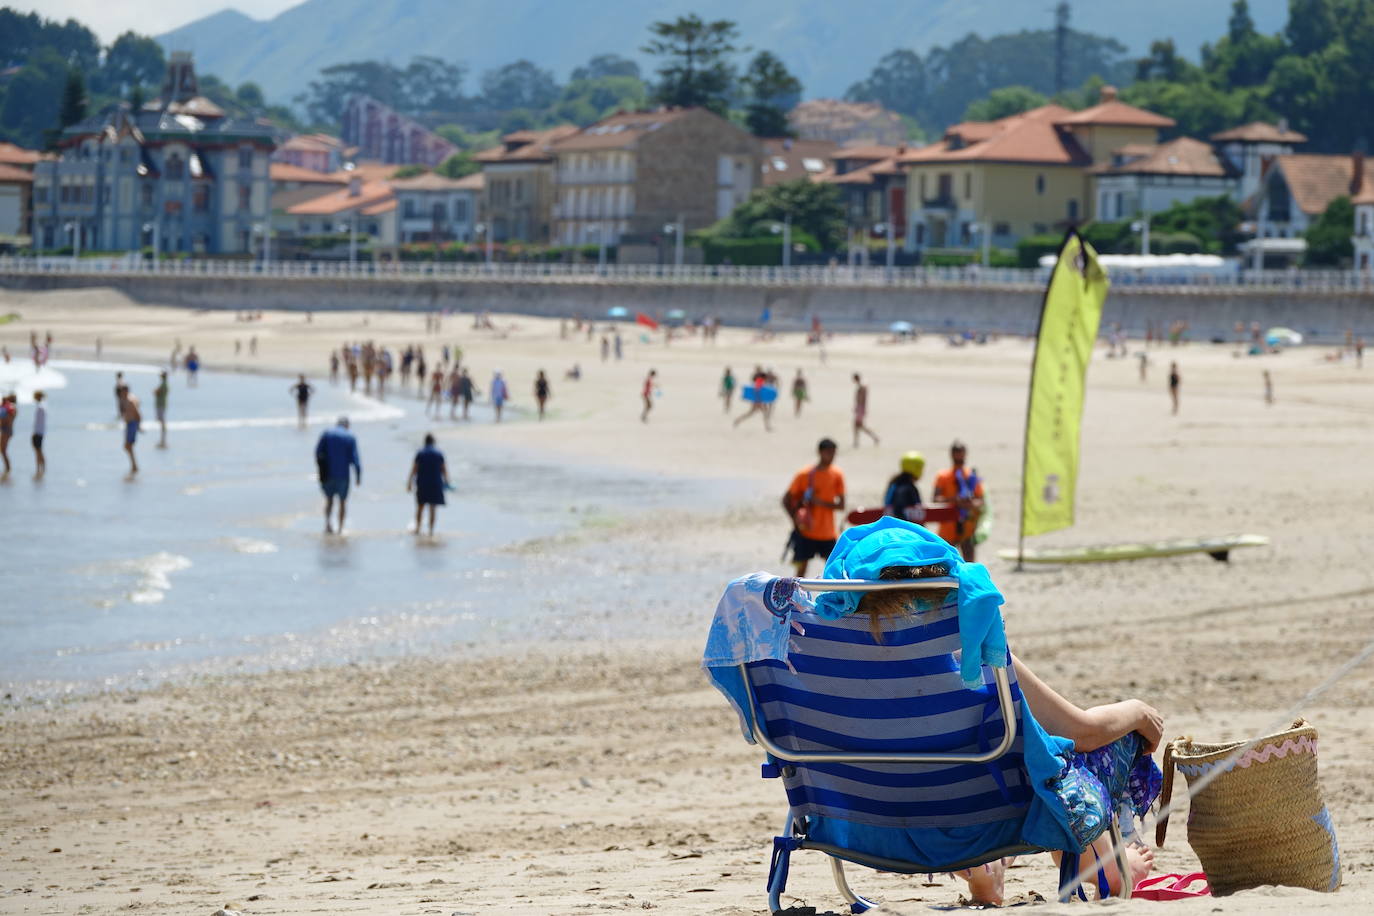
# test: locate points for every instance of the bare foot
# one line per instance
(328, 529)
(985, 882)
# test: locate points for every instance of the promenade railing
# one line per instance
(1334, 281)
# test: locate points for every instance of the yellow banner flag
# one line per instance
(1068, 328)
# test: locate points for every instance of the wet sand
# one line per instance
(592, 776)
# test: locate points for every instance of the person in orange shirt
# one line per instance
(958, 485)
(811, 502)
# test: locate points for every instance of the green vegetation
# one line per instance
(771, 92)
(1329, 238)
(695, 67)
(410, 171)
(817, 216)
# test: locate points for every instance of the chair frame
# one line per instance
(792, 826)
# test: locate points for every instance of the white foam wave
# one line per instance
(371, 411)
(251, 545)
(154, 574)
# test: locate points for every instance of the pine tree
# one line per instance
(771, 92)
(73, 98)
(696, 68)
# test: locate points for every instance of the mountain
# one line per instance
(828, 44)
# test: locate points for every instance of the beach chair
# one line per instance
(876, 740)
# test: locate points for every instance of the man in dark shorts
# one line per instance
(336, 452)
(811, 501)
(302, 390)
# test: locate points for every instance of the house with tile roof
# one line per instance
(432, 208)
(382, 133)
(1251, 148)
(872, 185)
(1295, 190)
(317, 152)
(631, 174)
(786, 159)
(518, 189)
(16, 194)
(1363, 200)
(1025, 174)
(177, 173)
(1150, 178)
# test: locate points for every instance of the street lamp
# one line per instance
(265, 230)
(1143, 227)
(352, 227)
(984, 236)
(484, 230)
(675, 230)
(599, 231)
(157, 241)
(74, 230)
(785, 227)
(889, 230)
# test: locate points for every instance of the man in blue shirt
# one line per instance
(336, 451)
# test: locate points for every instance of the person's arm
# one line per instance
(790, 504)
(443, 471)
(1088, 729)
(357, 465)
(414, 469)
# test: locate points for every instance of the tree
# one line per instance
(73, 109)
(814, 208)
(133, 60)
(1163, 63)
(410, 171)
(1311, 26)
(249, 95)
(1004, 102)
(431, 84)
(771, 92)
(458, 165)
(33, 99)
(603, 65)
(898, 83)
(585, 101)
(696, 68)
(518, 85)
(1328, 239)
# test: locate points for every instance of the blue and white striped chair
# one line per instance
(878, 740)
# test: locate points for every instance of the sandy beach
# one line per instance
(606, 775)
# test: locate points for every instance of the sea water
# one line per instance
(213, 557)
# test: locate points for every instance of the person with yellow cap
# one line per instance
(903, 498)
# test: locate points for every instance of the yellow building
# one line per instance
(1025, 174)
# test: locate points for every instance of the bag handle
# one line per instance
(1162, 822)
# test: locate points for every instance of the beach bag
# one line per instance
(1262, 820)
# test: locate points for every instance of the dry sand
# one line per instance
(597, 777)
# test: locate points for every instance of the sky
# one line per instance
(146, 17)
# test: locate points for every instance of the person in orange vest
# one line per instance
(958, 485)
(811, 501)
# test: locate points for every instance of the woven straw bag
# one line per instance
(1262, 821)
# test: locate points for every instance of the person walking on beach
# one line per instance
(541, 391)
(429, 479)
(1174, 380)
(302, 390)
(799, 395)
(9, 412)
(727, 388)
(861, 411)
(960, 486)
(618, 346)
(435, 401)
(605, 348)
(335, 453)
(499, 394)
(1268, 388)
(192, 367)
(40, 428)
(160, 407)
(1144, 364)
(811, 501)
(648, 394)
(467, 391)
(133, 419)
(757, 398)
(333, 367)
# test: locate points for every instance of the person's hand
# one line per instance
(1149, 724)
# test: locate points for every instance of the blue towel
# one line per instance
(864, 551)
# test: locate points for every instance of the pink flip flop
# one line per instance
(1172, 887)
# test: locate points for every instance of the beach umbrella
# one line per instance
(617, 311)
(1282, 337)
(641, 318)
(901, 327)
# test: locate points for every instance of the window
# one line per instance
(439, 213)
(126, 155)
(245, 157)
(200, 198)
(145, 195)
(174, 168)
(105, 193)
(1001, 229)
(813, 165)
(460, 211)
(920, 233)
(968, 186)
(1039, 229)
(40, 193)
(946, 187)
(1039, 184)
(1120, 204)
(923, 187)
(1073, 209)
(408, 208)
(245, 197)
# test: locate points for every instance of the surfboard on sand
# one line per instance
(934, 513)
(1218, 548)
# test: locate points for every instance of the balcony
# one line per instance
(596, 176)
(940, 202)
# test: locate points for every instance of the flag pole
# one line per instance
(1030, 396)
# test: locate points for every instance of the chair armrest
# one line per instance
(1001, 681)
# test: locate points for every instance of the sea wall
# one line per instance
(1322, 315)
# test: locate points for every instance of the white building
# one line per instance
(1150, 178)
(433, 208)
(1252, 148)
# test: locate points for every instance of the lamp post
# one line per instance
(599, 230)
(889, 231)
(484, 230)
(981, 230)
(1143, 227)
(785, 227)
(265, 230)
(74, 229)
(675, 230)
(157, 241)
